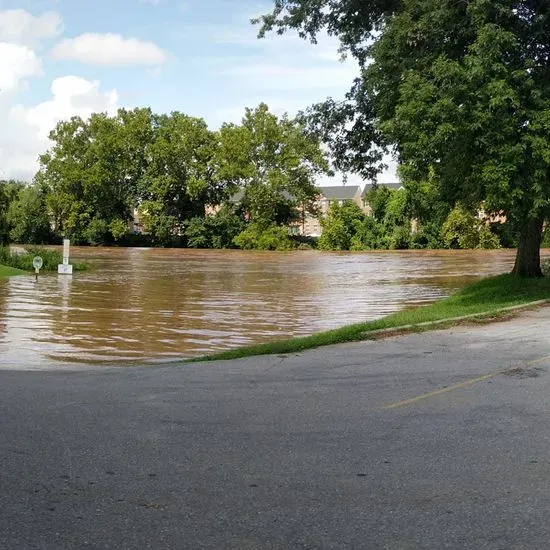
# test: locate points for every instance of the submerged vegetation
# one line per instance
(22, 260)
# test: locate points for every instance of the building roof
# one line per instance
(340, 192)
(239, 195)
(391, 185)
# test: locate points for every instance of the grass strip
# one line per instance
(484, 298)
(7, 271)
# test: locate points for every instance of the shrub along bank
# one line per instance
(23, 261)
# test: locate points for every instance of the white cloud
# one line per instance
(21, 27)
(16, 63)
(112, 50)
(23, 136)
(72, 96)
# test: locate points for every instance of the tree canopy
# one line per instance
(275, 164)
(458, 91)
(175, 172)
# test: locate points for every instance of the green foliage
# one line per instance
(259, 237)
(4, 206)
(198, 233)
(217, 231)
(181, 177)
(97, 232)
(118, 229)
(428, 236)
(340, 226)
(173, 169)
(6, 271)
(162, 227)
(347, 227)
(377, 198)
(464, 230)
(400, 238)
(28, 217)
(369, 235)
(98, 170)
(457, 89)
(51, 259)
(274, 162)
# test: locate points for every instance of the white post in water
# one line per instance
(65, 268)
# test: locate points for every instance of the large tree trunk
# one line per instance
(528, 256)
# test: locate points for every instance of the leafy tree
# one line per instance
(4, 227)
(396, 212)
(92, 171)
(9, 191)
(181, 176)
(118, 229)
(274, 162)
(160, 225)
(97, 232)
(99, 170)
(340, 226)
(369, 235)
(198, 233)
(464, 230)
(377, 198)
(458, 88)
(28, 217)
(217, 231)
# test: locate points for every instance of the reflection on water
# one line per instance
(144, 304)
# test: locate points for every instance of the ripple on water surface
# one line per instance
(155, 305)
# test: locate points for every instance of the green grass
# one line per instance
(7, 271)
(484, 298)
(51, 259)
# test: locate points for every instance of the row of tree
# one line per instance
(171, 169)
(413, 217)
(244, 186)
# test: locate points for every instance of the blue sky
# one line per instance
(64, 57)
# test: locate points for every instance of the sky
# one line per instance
(60, 58)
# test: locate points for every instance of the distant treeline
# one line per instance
(139, 178)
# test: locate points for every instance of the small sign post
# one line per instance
(65, 268)
(37, 264)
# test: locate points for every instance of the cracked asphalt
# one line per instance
(427, 441)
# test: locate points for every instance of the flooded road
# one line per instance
(155, 305)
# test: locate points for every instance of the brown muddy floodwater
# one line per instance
(155, 305)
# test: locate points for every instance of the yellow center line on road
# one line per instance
(464, 384)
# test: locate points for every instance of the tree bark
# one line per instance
(528, 255)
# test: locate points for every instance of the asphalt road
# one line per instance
(428, 441)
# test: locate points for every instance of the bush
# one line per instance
(272, 237)
(51, 259)
(400, 238)
(340, 226)
(28, 218)
(97, 232)
(464, 230)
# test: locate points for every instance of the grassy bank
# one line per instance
(7, 271)
(484, 298)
